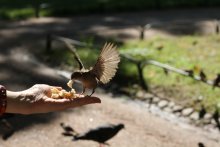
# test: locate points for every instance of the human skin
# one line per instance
(37, 99)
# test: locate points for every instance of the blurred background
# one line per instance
(167, 81)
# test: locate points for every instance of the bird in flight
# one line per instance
(102, 72)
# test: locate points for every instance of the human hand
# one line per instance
(37, 99)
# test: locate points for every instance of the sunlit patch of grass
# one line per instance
(185, 53)
(16, 13)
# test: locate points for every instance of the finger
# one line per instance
(60, 104)
(79, 100)
(57, 87)
(86, 100)
(83, 101)
(62, 100)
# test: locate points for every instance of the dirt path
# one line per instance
(20, 43)
(142, 128)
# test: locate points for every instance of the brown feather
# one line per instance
(107, 63)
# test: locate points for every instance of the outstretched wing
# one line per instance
(107, 63)
(76, 56)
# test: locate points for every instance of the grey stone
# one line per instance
(187, 111)
(148, 96)
(200, 98)
(178, 114)
(194, 116)
(147, 105)
(156, 99)
(152, 107)
(208, 116)
(171, 104)
(167, 109)
(208, 127)
(177, 108)
(150, 100)
(198, 123)
(162, 104)
(140, 94)
(206, 121)
(213, 122)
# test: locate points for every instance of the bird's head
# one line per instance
(76, 75)
(120, 126)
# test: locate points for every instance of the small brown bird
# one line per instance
(217, 27)
(165, 71)
(102, 72)
(216, 81)
(196, 69)
(202, 112)
(190, 72)
(215, 116)
(143, 29)
(203, 76)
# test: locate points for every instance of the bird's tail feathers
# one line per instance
(76, 137)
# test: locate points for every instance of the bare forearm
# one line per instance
(14, 103)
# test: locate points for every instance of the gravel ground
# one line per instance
(141, 127)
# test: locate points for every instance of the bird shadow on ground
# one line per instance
(100, 134)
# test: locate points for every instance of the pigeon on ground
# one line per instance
(216, 118)
(190, 72)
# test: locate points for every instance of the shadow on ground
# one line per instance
(15, 122)
(124, 26)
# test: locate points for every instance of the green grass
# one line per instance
(184, 52)
(16, 13)
(181, 52)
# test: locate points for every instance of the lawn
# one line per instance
(186, 52)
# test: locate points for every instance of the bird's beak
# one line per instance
(70, 83)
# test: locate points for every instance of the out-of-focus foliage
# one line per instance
(13, 9)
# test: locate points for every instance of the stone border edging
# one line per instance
(206, 121)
